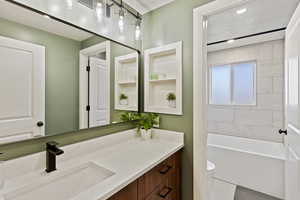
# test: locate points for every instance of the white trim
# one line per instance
(143, 9)
(83, 59)
(118, 60)
(294, 22)
(200, 92)
(177, 46)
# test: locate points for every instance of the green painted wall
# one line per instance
(62, 61)
(168, 24)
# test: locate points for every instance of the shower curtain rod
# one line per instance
(247, 36)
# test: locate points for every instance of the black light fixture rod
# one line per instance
(247, 36)
(136, 15)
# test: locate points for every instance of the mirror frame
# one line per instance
(140, 80)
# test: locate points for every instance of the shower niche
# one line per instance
(163, 79)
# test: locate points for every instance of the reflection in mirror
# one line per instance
(55, 78)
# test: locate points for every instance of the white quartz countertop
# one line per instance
(125, 154)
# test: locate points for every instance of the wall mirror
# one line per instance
(55, 78)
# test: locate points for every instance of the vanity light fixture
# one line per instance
(138, 29)
(241, 11)
(103, 8)
(69, 4)
(230, 41)
(99, 10)
(121, 19)
(46, 16)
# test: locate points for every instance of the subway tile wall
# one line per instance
(263, 120)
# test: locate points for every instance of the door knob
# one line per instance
(282, 131)
(40, 124)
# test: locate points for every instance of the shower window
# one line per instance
(233, 84)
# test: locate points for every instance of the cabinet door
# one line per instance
(128, 193)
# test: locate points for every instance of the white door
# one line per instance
(292, 140)
(99, 93)
(22, 90)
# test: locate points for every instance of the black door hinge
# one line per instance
(88, 68)
(88, 108)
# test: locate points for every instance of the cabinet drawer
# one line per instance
(167, 190)
(155, 177)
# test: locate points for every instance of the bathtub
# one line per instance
(253, 164)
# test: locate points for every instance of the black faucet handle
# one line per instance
(52, 144)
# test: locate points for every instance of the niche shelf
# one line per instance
(126, 82)
(163, 75)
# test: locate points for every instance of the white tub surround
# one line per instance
(121, 158)
(263, 119)
(254, 164)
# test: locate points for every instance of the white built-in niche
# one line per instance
(126, 82)
(163, 79)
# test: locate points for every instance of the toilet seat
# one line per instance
(210, 167)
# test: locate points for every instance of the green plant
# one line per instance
(141, 120)
(147, 121)
(171, 96)
(123, 97)
(129, 116)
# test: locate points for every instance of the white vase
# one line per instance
(146, 134)
(124, 102)
(172, 104)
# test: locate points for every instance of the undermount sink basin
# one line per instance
(62, 185)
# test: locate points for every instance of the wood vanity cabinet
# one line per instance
(130, 192)
(160, 183)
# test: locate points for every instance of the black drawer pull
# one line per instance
(165, 169)
(165, 192)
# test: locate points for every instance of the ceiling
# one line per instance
(144, 6)
(8, 11)
(261, 16)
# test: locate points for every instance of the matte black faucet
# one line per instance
(51, 152)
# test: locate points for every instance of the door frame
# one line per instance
(38, 109)
(200, 92)
(83, 84)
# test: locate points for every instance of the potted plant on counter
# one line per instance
(171, 97)
(123, 99)
(145, 123)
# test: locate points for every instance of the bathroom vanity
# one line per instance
(161, 182)
(118, 166)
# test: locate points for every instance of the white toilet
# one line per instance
(210, 177)
(217, 188)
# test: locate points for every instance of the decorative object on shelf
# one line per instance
(123, 99)
(153, 76)
(143, 121)
(171, 97)
(163, 75)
